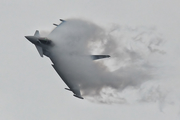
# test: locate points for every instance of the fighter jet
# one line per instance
(44, 46)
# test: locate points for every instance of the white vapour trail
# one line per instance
(131, 51)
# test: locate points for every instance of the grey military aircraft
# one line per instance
(44, 46)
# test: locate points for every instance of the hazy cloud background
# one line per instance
(148, 36)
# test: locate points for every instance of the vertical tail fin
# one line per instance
(36, 34)
(39, 48)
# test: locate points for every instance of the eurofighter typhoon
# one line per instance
(55, 46)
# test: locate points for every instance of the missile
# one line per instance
(55, 24)
(67, 89)
(62, 20)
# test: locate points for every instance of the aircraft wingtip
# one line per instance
(78, 96)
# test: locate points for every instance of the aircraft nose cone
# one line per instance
(32, 39)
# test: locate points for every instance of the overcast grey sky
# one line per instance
(30, 89)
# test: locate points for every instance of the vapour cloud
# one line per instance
(128, 67)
